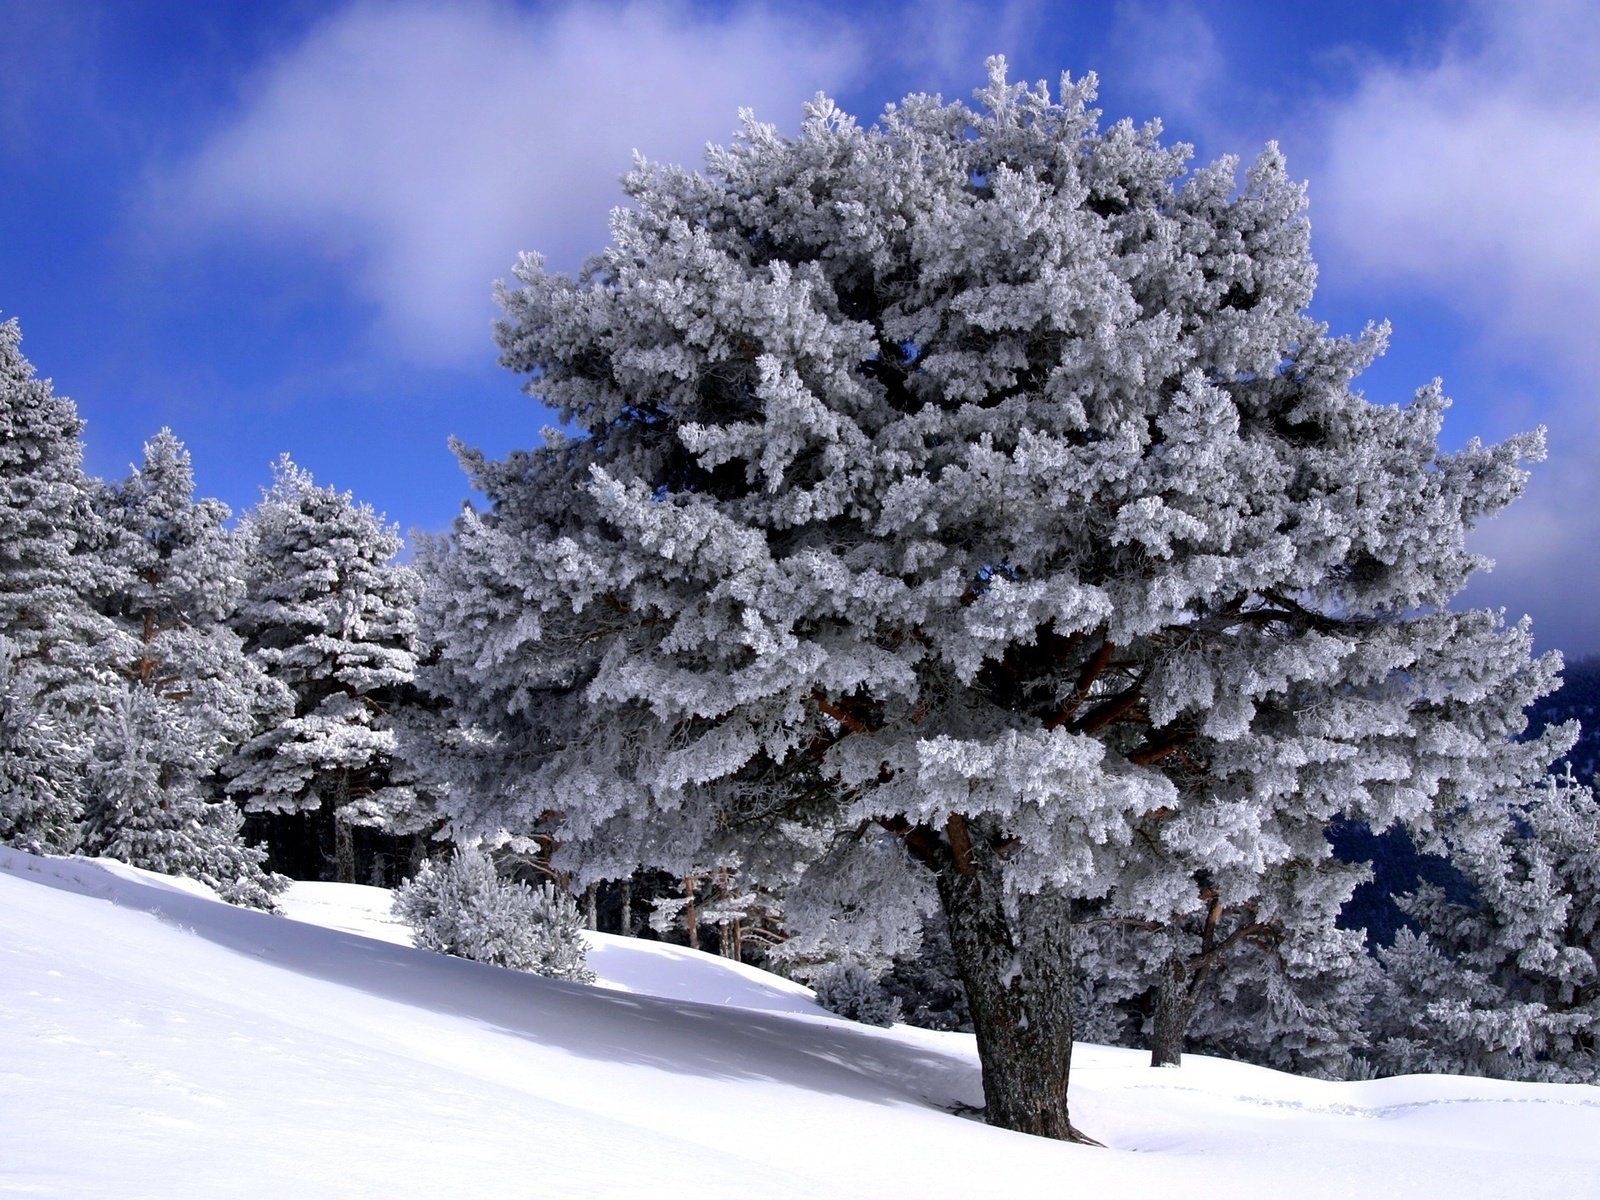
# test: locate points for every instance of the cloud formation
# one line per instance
(1473, 176)
(424, 146)
(1469, 178)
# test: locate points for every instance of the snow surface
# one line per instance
(157, 1043)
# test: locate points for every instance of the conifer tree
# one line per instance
(328, 615)
(967, 506)
(181, 576)
(40, 765)
(51, 572)
(1506, 983)
(461, 906)
(191, 694)
(146, 806)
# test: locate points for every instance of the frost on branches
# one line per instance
(50, 542)
(965, 508)
(329, 617)
(148, 812)
(190, 695)
(462, 907)
(40, 765)
(1507, 985)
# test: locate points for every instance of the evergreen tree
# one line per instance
(1268, 942)
(1507, 983)
(329, 616)
(51, 571)
(147, 809)
(180, 578)
(191, 694)
(927, 984)
(966, 507)
(851, 991)
(40, 766)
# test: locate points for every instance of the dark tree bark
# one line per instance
(1174, 1006)
(344, 843)
(691, 914)
(1016, 967)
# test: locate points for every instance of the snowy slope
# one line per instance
(156, 1043)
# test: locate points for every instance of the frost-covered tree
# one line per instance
(927, 984)
(179, 578)
(329, 615)
(461, 906)
(50, 540)
(1271, 946)
(145, 808)
(173, 577)
(967, 507)
(1506, 983)
(40, 764)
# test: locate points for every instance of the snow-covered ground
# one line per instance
(157, 1043)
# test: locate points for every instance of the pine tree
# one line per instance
(191, 695)
(147, 809)
(50, 539)
(1196, 946)
(329, 616)
(181, 578)
(966, 507)
(40, 766)
(1507, 983)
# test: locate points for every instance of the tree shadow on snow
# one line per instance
(679, 1036)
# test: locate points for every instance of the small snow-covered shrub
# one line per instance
(463, 907)
(850, 991)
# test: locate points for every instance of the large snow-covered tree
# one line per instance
(330, 616)
(967, 506)
(51, 572)
(173, 576)
(178, 580)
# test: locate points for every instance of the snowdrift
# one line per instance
(155, 1042)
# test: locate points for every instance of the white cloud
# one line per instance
(1169, 53)
(1472, 178)
(426, 145)
(1476, 177)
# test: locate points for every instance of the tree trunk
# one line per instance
(626, 929)
(1016, 966)
(591, 906)
(691, 916)
(344, 844)
(1174, 1007)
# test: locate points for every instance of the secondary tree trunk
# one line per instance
(1174, 1008)
(344, 843)
(691, 916)
(1015, 961)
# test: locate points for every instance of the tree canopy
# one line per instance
(966, 511)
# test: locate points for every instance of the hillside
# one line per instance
(157, 1043)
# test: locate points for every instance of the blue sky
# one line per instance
(275, 227)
